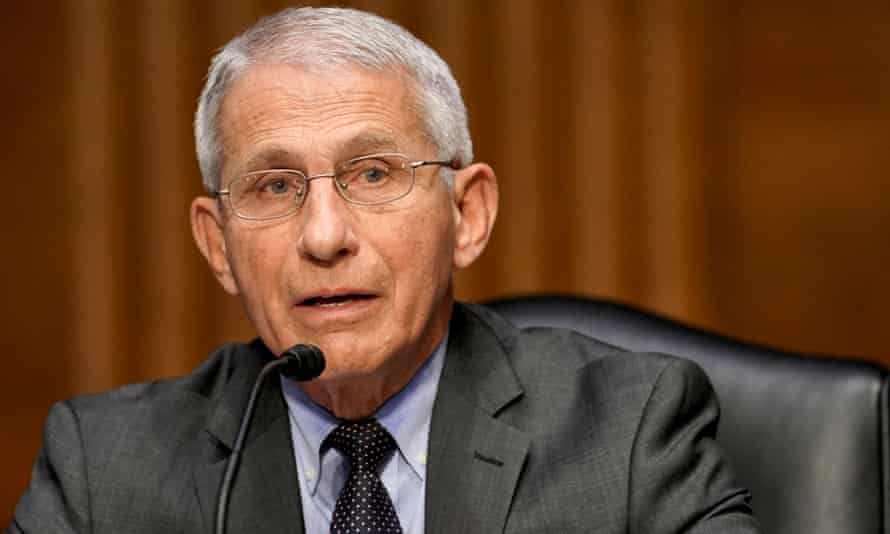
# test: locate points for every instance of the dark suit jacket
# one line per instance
(533, 431)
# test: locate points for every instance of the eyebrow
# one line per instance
(364, 143)
(272, 158)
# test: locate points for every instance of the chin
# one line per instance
(337, 374)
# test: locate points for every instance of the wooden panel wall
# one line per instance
(725, 163)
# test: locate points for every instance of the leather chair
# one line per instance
(807, 435)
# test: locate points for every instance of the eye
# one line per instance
(276, 187)
(374, 173)
(368, 177)
(275, 184)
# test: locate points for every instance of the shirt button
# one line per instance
(310, 474)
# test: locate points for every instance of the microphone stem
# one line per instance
(222, 501)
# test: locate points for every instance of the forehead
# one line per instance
(287, 112)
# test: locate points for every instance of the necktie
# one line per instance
(363, 506)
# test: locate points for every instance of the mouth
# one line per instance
(334, 301)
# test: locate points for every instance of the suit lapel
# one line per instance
(474, 459)
(265, 497)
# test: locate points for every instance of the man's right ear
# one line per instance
(207, 229)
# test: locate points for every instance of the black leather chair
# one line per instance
(807, 435)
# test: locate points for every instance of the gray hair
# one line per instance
(320, 39)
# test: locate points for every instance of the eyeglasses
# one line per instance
(366, 181)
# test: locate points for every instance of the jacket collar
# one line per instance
(475, 459)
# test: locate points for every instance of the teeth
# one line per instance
(338, 300)
(332, 304)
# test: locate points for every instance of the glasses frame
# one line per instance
(338, 186)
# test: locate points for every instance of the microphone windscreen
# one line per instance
(304, 362)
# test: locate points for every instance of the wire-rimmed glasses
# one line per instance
(366, 181)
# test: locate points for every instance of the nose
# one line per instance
(326, 233)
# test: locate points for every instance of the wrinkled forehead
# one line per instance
(358, 108)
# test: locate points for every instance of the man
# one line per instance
(335, 149)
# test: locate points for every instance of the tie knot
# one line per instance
(366, 443)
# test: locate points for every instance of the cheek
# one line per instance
(423, 263)
(256, 258)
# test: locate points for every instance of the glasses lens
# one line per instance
(375, 179)
(267, 194)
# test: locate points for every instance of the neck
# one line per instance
(358, 398)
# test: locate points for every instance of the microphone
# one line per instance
(301, 363)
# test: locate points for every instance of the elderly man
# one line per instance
(335, 149)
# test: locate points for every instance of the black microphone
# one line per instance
(300, 362)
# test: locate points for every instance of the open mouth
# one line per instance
(335, 300)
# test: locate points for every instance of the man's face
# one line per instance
(370, 285)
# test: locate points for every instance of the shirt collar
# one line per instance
(406, 416)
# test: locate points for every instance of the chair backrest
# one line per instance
(807, 435)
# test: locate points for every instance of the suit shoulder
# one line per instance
(560, 354)
(141, 403)
(574, 352)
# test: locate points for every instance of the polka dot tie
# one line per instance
(364, 506)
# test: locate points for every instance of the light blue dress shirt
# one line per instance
(406, 416)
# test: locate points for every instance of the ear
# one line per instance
(207, 229)
(475, 197)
